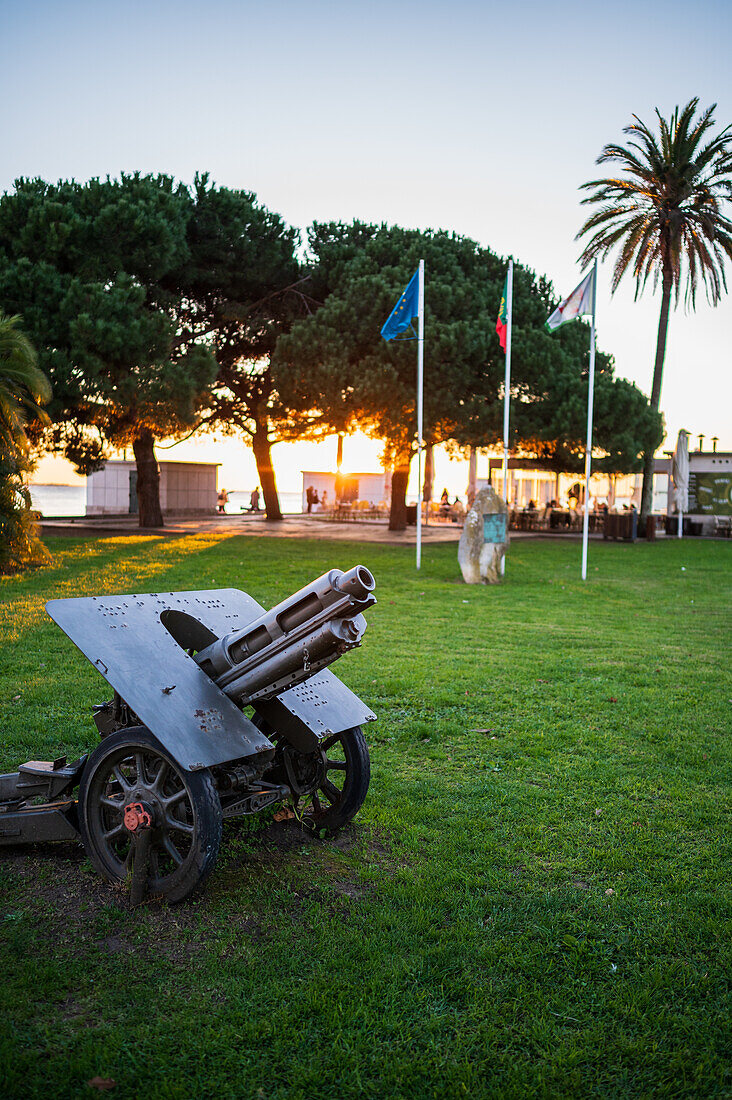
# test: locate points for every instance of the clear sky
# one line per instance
(481, 118)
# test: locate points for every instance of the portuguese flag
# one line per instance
(502, 322)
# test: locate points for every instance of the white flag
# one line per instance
(579, 302)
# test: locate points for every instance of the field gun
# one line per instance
(220, 708)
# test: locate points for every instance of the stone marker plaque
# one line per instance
(484, 540)
(494, 528)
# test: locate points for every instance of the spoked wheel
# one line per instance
(337, 778)
(144, 817)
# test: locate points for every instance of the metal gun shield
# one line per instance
(126, 641)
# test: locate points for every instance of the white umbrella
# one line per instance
(680, 476)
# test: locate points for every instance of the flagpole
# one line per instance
(420, 402)
(590, 405)
(507, 390)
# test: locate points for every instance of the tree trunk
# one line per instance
(339, 475)
(647, 492)
(612, 479)
(429, 473)
(263, 458)
(472, 490)
(148, 481)
(398, 511)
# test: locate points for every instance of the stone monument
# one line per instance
(484, 540)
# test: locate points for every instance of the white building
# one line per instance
(369, 487)
(186, 488)
(710, 488)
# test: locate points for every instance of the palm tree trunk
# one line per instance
(148, 480)
(647, 492)
(263, 458)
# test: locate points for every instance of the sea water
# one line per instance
(70, 500)
(59, 500)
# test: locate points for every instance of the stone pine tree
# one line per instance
(84, 264)
(23, 390)
(666, 213)
(238, 289)
(336, 361)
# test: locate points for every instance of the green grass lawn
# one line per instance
(534, 900)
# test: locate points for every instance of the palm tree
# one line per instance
(23, 386)
(665, 214)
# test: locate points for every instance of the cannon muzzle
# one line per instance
(295, 639)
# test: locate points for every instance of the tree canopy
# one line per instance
(84, 264)
(336, 362)
(155, 308)
(160, 309)
(238, 289)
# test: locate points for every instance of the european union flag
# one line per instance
(400, 318)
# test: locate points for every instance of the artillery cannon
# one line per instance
(220, 708)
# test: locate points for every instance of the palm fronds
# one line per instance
(664, 208)
(23, 386)
(23, 389)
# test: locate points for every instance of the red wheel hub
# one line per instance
(137, 817)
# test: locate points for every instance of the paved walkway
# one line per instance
(291, 527)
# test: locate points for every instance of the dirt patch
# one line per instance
(337, 862)
(115, 946)
(59, 879)
(276, 843)
(71, 1009)
(55, 888)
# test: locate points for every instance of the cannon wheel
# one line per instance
(132, 767)
(343, 782)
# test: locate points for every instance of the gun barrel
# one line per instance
(296, 663)
(287, 644)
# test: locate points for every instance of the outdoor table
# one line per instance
(559, 518)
